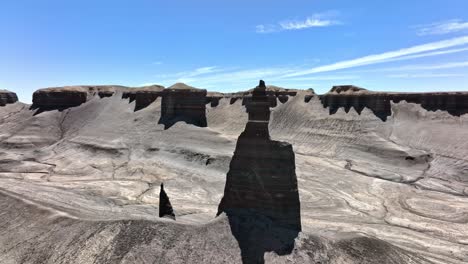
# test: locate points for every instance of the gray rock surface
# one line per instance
(81, 185)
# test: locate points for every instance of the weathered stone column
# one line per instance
(261, 197)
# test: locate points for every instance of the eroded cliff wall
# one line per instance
(347, 97)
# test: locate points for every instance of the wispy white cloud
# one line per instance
(308, 23)
(220, 78)
(422, 67)
(204, 70)
(314, 21)
(384, 57)
(234, 76)
(425, 75)
(444, 27)
(415, 67)
(157, 62)
(326, 78)
(264, 29)
(191, 73)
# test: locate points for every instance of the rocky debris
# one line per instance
(348, 96)
(181, 102)
(261, 196)
(165, 207)
(7, 97)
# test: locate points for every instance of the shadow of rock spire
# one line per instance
(261, 198)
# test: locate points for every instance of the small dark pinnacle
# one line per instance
(261, 84)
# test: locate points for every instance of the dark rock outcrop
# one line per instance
(60, 98)
(346, 89)
(213, 98)
(143, 96)
(348, 96)
(181, 102)
(7, 97)
(165, 207)
(261, 197)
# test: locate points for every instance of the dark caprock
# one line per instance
(7, 97)
(165, 207)
(261, 198)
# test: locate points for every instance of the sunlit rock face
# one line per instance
(262, 174)
(7, 97)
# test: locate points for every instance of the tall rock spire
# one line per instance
(261, 195)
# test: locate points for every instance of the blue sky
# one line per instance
(228, 45)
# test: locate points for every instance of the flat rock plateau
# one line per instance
(381, 177)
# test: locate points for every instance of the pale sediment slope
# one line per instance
(97, 169)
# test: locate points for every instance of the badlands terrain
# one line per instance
(382, 177)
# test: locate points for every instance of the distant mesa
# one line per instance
(349, 96)
(346, 89)
(61, 98)
(143, 96)
(7, 97)
(213, 98)
(181, 102)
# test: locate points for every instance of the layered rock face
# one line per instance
(181, 102)
(261, 197)
(143, 96)
(213, 98)
(7, 97)
(348, 96)
(60, 98)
